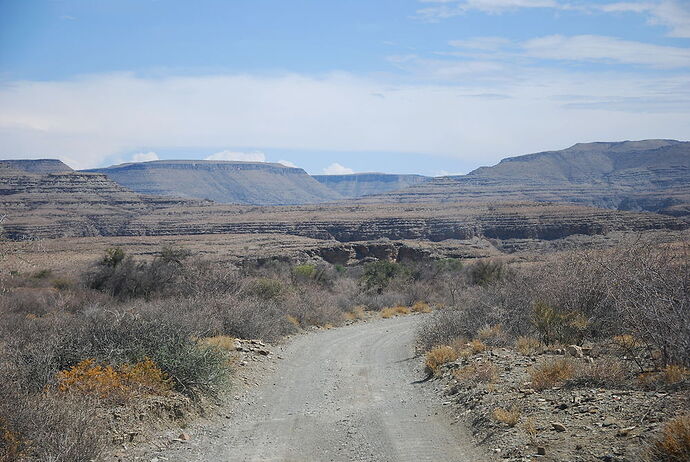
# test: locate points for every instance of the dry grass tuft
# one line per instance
(394, 311)
(477, 346)
(222, 342)
(421, 307)
(509, 417)
(493, 335)
(479, 372)
(439, 356)
(670, 375)
(604, 372)
(673, 444)
(552, 373)
(527, 345)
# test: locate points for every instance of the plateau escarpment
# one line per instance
(365, 184)
(68, 204)
(257, 183)
(652, 175)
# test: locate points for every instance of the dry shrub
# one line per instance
(527, 345)
(439, 356)
(222, 342)
(673, 444)
(509, 417)
(107, 382)
(356, 313)
(394, 311)
(674, 373)
(607, 372)
(50, 429)
(421, 307)
(12, 447)
(479, 372)
(552, 373)
(626, 342)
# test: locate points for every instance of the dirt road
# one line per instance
(338, 395)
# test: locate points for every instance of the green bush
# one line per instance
(377, 275)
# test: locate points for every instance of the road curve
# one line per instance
(344, 394)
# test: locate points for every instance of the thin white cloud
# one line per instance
(254, 156)
(672, 14)
(337, 169)
(606, 49)
(144, 157)
(287, 163)
(583, 48)
(450, 8)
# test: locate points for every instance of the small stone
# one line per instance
(574, 350)
(609, 422)
(624, 431)
(184, 436)
(541, 450)
(559, 427)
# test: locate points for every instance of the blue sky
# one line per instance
(431, 86)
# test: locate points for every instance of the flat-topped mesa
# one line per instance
(256, 183)
(37, 166)
(651, 175)
(364, 184)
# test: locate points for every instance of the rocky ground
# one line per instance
(570, 421)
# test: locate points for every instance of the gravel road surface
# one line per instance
(344, 394)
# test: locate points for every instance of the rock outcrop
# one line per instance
(366, 184)
(256, 183)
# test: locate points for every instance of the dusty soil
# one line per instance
(346, 394)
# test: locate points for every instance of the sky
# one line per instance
(338, 86)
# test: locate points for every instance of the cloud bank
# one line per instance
(476, 114)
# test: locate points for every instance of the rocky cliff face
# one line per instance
(652, 175)
(256, 183)
(365, 184)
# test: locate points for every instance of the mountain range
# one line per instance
(546, 195)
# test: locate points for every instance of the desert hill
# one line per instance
(652, 175)
(365, 184)
(256, 183)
